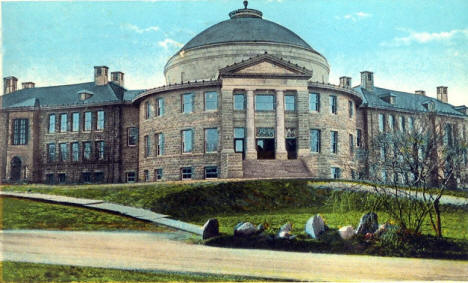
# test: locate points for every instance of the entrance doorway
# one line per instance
(15, 172)
(265, 148)
(291, 148)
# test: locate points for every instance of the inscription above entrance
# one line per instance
(265, 133)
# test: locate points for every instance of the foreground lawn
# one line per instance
(34, 272)
(27, 214)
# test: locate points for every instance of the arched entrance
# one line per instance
(15, 172)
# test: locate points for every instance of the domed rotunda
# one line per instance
(243, 36)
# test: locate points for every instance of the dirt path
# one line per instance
(153, 251)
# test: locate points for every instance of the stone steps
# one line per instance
(275, 169)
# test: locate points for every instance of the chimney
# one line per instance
(442, 94)
(28, 85)
(100, 75)
(367, 80)
(345, 82)
(118, 78)
(420, 92)
(9, 84)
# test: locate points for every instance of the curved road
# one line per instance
(156, 251)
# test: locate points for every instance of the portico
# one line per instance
(265, 81)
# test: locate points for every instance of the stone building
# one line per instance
(244, 98)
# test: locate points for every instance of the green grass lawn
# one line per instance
(34, 272)
(27, 214)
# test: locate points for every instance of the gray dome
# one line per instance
(246, 29)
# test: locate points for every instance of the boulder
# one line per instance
(315, 226)
(346, 232)
(245, 229)
(368, 223)
(383, 228)
(285, 232)
(210, 229)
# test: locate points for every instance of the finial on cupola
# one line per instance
(245, 4)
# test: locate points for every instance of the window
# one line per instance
(75, 151)
(147, 146)
(158, 174)
(160, 107)
(51, 152)
(402, 124)
(146, 175)
(186, 173)
(87, 121)
(63, 122)
(290, 103)
(383, 152)
(334, 142)
(239, 102)
(86, 177)
(333, 104)
(359, 137)
(100, 150)
(211, 172)
(410, 124)
(211, 140)
(239, 135)
(100, 120)
(148, 110)
(20, 131)
(52, 123)
(381, 122)
(350, 108)
(335, 173)
(211, 101)
(62, 178)
(159, 142)
(64, 152)
(75, 122)
(132, 135)
(314, 102)
(99, 177)
(351, 144)
(131, 177)
(187, 141)
(187, 103)
(264, 102)
(315, 137)
(50, 179)
(86, 150)
(391, 122)
(448, 135)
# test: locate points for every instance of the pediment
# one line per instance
(265, 65)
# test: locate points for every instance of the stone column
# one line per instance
(251, 152)
(280, 137)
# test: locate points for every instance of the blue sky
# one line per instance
(409, 45)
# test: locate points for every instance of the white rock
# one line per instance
(347, 232)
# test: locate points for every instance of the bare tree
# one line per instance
(412, 167)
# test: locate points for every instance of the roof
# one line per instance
(246, 29)
(68, 95)
(403, 101)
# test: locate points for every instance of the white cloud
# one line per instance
(424, 37)
(168, 42)
(355, 16)
(137, 29)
